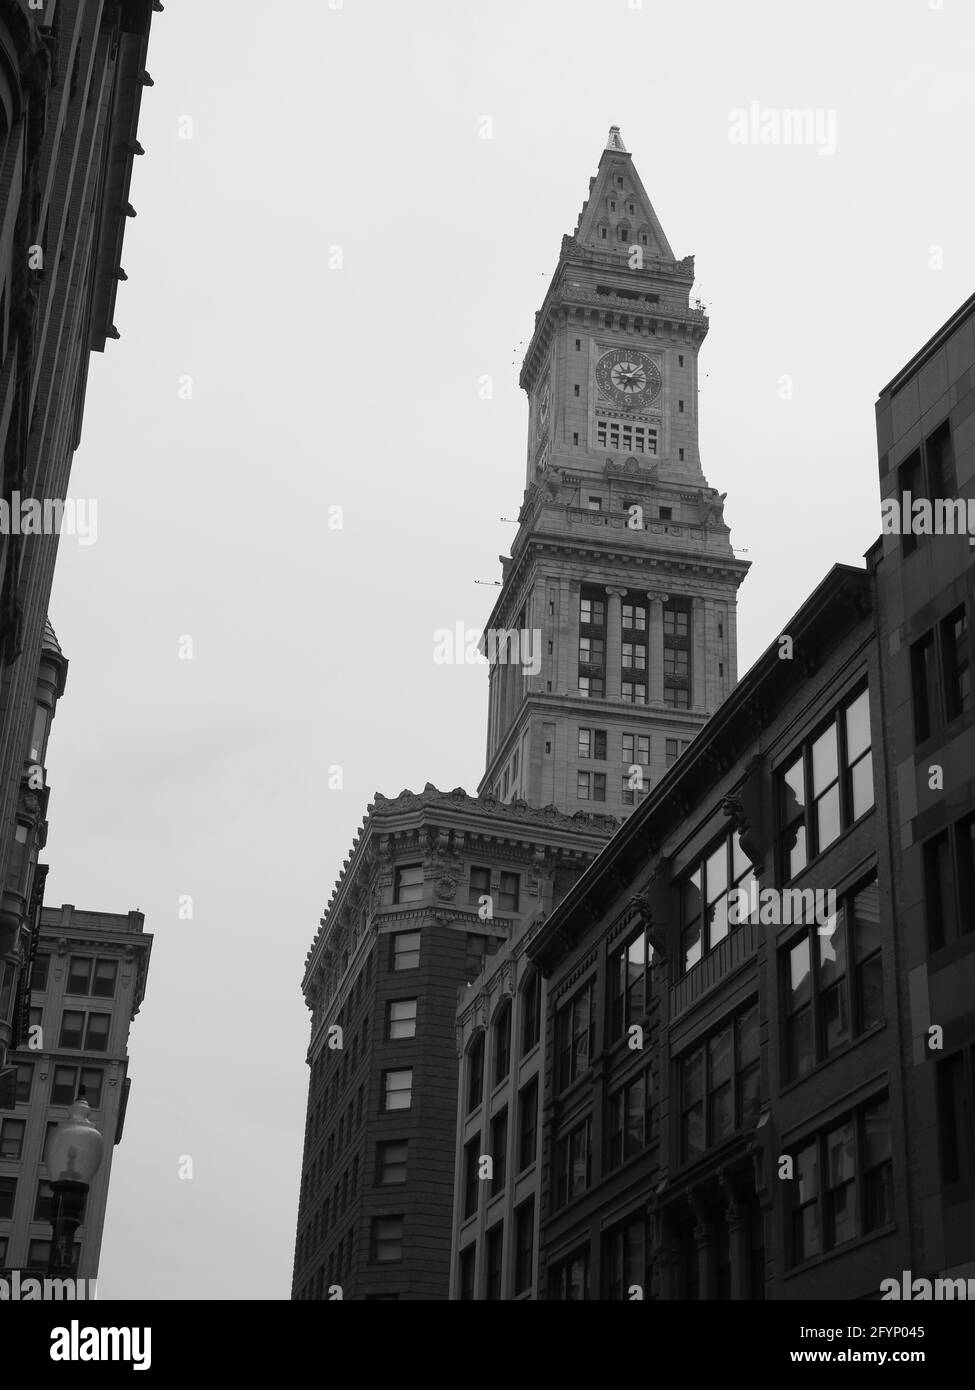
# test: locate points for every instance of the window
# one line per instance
(408, 885)
(592, 612)
(494, 1247)
(705, 900)
(569, 1279)
(499, 1151)
(467, 1258)
(39, 1255)
(594, 504)
(956, 1117)
(591, 687)
(4, 1242)
(39, 972)
(12, 1138)
(625, 437)
(627, 973)
(509, 892)
(524, 1245)
(842, 1183)
(87, 975)
(531, 1011)
(472, 1177)
(719, 1085)
(475, 1073)
(89, 1031)
(591, 786)
(624, 1262)
(833, 981)
(70, 1082)
(826, 787)
(480, 885)
(398, 1089)
(673, 748)
(941, 675)
(43, 1201)
(405, 950)
(527, 1124)
(634, 616)
(25, 1076)
(502, 1044)
(41, 715)
(386, 1244)
(628, 1114)
(572, 1163)
(575, 1027)
(591, 651)
(949, 884)
(592, 744)
(636, 749)
(400, 1019)
(8, 1191)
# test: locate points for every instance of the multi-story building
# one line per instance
(926, 442)
(88, 981)
(71, 78)
(621, 581)
(721, 1095)
(434, 884)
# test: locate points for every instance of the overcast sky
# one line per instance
(362, 128)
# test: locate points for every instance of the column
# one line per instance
(655, 648)
(698, 656)
(705, 1261)
(738, 1246)
(565, 628)
(614, 642)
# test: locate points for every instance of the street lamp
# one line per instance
(73, 1156)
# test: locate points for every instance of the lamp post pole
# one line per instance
(73, 1156)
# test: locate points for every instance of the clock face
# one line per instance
(629, 377)
(543, 405)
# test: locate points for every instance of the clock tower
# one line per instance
(614, 636)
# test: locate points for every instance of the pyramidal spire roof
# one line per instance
(618, 211)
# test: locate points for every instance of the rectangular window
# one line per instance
(624, 1261)
(502, 1044)
(592, 612)
(25, 1077)
(524, 1245)
(573, 1158)
(472, 1176)
(627, 974)
(628, 1120)
(499, 1151)
(673, 747)
(39, 972)
(956, 1117)
(531, 1012)
(408, 885)
(398, 1089)
(405, 950)
(719, 1085)
(493, 1252)
(467, 1258)
(592, 744)
(926, 689)
(401, 1019)
(475, 1074)
(8, 1193)
(509, 893)
(832, 978)
(386, 1243)
(527, 1124)
(634, 617)
(956, 664)
(12, 1139)
(575, 1026)
(480, 885)
(391, 1162)
(706, 901)
(826, 787)
(72, 1028)
(569, 1279)
(842, 1182)
(634, 692)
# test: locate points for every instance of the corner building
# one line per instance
(406, 928)
(724, 1114)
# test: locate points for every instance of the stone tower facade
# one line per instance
(614, 635)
